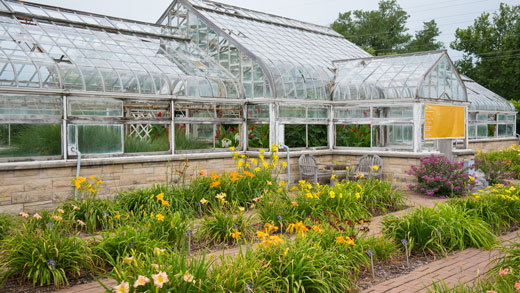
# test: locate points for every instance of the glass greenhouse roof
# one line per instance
(428, 75)
(51, 48)
(277, 38)
(485, 100)
(295, 56)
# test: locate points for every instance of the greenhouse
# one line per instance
(210, 76)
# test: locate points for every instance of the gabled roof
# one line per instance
(425, 75)
(49, 47)
(483, 99)
(276, 38)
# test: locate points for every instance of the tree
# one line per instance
(384, 31)
(491, 49)
(425, 39)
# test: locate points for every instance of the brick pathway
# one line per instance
(462, 267)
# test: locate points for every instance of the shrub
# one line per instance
(253, 179)
(499, 165)
(180, 272)
(495, 171)
(440, 229)
(303, 265)
(437, 175)
(220, 226)
(170, 227)
(277, 209)
(44, 257)
(235, 273)
(499, 206)
(348, 199)
(383, 248)
(6, 224)
(152, 199)
(125, 239)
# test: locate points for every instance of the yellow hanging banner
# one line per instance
(444, 121)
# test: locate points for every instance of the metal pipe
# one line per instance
(288, 162)
(518, 136)
(78, 168)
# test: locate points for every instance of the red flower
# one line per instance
(251, 136)
(360, 134)
(258, 109)
(365, 114)
(252, 127)
(159, 114)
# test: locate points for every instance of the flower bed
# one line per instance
(311, 237)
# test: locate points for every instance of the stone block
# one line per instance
(109, 169)
(133, 166)
(142, 171)
(5, 199)
(25, 173)
(11, 188)
(13, 209)
(39, 184)
(38, 206)
(57, 173)
(31, 196)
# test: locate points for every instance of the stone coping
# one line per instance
(27, 165)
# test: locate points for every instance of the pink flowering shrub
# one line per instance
(438, 176)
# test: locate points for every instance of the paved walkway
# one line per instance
(462, 267)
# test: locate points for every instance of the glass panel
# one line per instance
(472, 131)
(392, 112)
(229, 111)
(257, 111)
(7, 74)
(27, 75)
(20, 140)
(71, 77)
(96, 139)
(482, 117)
(351, 113)
(318, 113)
(392, 136)
(258, 136)
(146, 138)
(482, 131)
(292, 112)
(227, 135)
(318, 135)
(295, 135)
(492, 128)
(353, 135)
(193, 136)
(95, 107)
(505, 130)
(29, 106)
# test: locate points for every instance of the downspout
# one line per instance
(288, 162)
(518, 136)
(78, 168)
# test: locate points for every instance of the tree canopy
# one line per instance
(383, 31)
(491, 49)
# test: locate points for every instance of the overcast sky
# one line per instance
(449, 14)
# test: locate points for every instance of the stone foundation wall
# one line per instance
(492, 145)
(35, 186)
